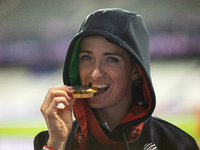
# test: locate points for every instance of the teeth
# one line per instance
(99, 86)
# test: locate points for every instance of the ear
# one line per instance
(135, 73)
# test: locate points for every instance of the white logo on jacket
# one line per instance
(150, 146)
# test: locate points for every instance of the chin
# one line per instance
(94, 103)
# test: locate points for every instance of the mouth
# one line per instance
(101, 87)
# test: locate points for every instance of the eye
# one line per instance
(112, 59)
(85, 57)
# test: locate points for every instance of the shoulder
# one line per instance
(164, 126)
(167, 134)
(41, 138)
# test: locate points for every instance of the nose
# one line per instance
(97, 73)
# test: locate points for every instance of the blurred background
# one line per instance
(34, 37)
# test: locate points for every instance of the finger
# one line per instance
(50, 113)
(56, 92)
(53, 92)
(62, 87)
(56, 101)
(54, 95)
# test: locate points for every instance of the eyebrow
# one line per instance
(85, 51)
(107, 53)
(115, 54)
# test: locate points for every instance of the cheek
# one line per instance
(121, 73)
(118, 78)
(123, 76)
(83, 74)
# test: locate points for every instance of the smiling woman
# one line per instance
(106, 65)
(101, 56)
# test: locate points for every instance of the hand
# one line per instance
(59, 120)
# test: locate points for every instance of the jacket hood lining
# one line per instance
(74, 77)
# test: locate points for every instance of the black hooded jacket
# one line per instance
(127, 30)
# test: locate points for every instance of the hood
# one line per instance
(130, 33)
(127, 30)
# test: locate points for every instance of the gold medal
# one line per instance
(83, 92)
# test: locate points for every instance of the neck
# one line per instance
(113, 116)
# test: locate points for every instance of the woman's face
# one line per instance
(106, 66)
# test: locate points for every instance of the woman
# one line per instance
(110, 53)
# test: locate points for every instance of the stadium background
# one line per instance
(34, 36)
